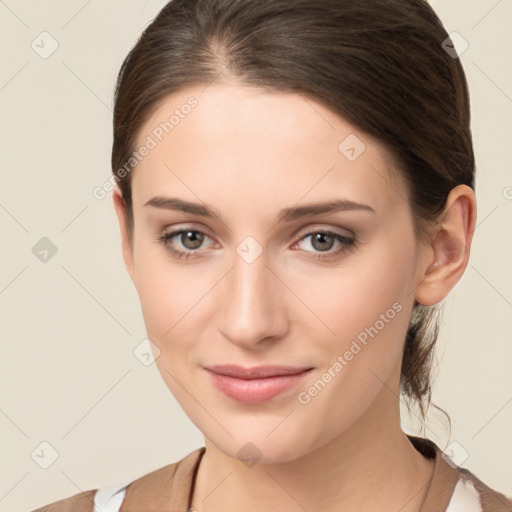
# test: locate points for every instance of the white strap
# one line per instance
(109, 499)
(465, 498)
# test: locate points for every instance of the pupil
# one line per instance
(192, 236)
(321, 237)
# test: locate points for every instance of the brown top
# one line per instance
(170, 488)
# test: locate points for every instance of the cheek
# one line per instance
(169, 299)
(348, 297)
(362, 360)
(369, 288)
(366, 304)
(164, 293)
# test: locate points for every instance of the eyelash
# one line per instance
(344, 240)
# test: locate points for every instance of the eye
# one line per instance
(187, 242)
(322, 241)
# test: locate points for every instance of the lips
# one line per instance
(255, 385)
(257, 372)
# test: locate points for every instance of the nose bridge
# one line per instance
(251, 309)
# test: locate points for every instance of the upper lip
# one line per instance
(256, 372)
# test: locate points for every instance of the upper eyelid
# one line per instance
(305, 231)
(300, 235)
(172, 232)
(347, 233)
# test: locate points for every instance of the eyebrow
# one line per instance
(286, 214)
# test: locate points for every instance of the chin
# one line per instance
(259, 451)
(257, 446)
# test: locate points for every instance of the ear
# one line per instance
(448, 253)
(120, 208)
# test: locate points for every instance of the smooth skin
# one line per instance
(247, 154)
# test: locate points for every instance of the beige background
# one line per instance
(69, 326)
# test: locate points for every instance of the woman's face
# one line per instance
(261, 269)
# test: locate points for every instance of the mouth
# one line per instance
(255, 385)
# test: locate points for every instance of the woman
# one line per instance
(294, 187)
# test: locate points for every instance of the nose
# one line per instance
(252, 304)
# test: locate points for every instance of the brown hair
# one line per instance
(380, 64)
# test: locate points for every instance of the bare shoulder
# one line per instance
(81, 502)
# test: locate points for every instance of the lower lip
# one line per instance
(255, 391)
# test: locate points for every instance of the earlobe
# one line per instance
(450, 247)
(126, 245)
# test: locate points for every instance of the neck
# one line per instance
(371, 466)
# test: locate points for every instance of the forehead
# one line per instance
(279, 147)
